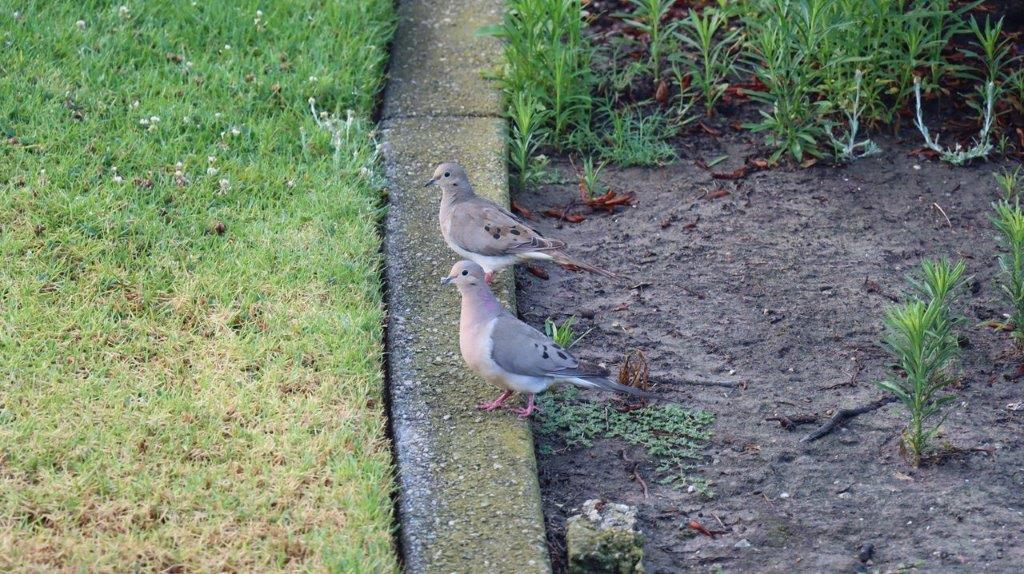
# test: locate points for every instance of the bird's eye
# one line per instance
(465, 271)
(446, 174)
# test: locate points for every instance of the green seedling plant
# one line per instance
(525, 137)
(631, 137)
(1009, 182)
(849, 149)
(1009, 222)
(781, 51)
(990, 51)
(1016, 83)
(686, 98)
(717, 51)
(921, 336)
(564, 334)
(648, 16)
(591, 179)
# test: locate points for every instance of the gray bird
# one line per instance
(509, 353)
(481, 231)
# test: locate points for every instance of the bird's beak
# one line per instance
(430, 183)
(448, 279)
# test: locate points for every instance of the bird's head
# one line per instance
(450, 177)
(465, 274)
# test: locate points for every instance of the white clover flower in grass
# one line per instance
(235, 131)
(227, 46)
(259, 13)
(290, 183)
(211, 170)
(118, 179)
(224, 184)
(211, 159)
(144, 122)
(123, 11)
(80, 24)
(217, 115)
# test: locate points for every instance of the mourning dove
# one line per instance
(509, 353)
(483, 232)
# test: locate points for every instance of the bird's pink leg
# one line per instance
(489, 277)
(490, 406)
(529, 410)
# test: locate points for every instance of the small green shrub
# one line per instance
(716, 52)
(1009, 222)
(1009, 182)
(525, 137)
(648, 16)
(548, 57)
(816, 56)
(921, 337)
(847, 148)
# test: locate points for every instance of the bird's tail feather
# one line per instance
(563, 259)
(607, 384)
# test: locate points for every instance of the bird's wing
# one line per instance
(481, 227)
(522, 350)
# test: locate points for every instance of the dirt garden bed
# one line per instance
(774, 284)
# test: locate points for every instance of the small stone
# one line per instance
(604, 539)
(866, 552)
(742, 544)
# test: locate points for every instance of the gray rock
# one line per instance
(604, 539)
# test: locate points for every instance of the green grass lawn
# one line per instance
(190, 312)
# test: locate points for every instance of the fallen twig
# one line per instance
(640, 479)
(943, 212)
(791, 422)
(853, 377)
(843, 415)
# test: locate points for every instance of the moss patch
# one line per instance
(674, 436)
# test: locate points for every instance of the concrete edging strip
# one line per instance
(469, 499)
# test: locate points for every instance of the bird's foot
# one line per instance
(529, 410)
(489, 277)
(489, 406)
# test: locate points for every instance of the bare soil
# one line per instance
(778, 287)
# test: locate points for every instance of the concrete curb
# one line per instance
(469, 498)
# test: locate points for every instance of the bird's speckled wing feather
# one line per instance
(522, 350)
(479, 226)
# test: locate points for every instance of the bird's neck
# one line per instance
(455, 195)
(478, 304)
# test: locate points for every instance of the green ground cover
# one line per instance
(190, 312)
